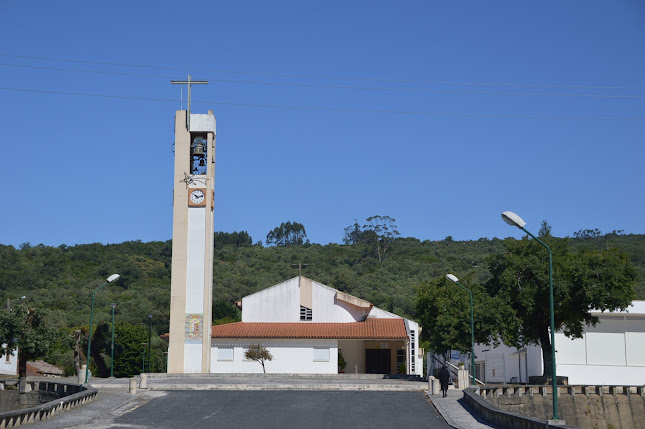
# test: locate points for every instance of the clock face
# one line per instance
(197, 197)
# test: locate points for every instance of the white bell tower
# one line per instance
(191, 287)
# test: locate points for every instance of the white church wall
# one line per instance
(612, 352)
(195, 261)
(9, 367)
(416, 365)
(289, 356)
(193, 358)
(503, 362)
(378, 313)
(603, 374)
(325, 308)
(280, 303)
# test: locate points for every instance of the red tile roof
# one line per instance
(369, 329)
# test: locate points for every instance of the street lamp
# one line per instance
(143, 358)
(110, 279)
(10, 301)
(112, 350)
(454, 279)
(514, 220)
(149, 336)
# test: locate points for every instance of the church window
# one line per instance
(412, 349)
(321, 354)
(225, 353)
(305, 313)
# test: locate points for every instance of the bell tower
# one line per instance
(191, 287)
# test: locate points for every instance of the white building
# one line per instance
(306, 325)
(610, 353)
(9, 363)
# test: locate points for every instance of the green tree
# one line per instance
(588, 234)
(258, 353)
(583, 281)
(384, 233)
(443, 309)
(545, 230)
(237, 239)
(287, 234)
(355, 234)
(27, 330)
(129, 343)
(224, 312)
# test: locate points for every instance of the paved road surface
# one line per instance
(286, 409)
(258, 409)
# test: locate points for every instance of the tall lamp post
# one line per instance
(112, 349)
(514, 220)
(454, 279)
(149, 336)
(110, 279)
(143, 358)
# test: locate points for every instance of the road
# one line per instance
(264, 409)
(284, 409)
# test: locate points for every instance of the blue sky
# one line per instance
(438, 114)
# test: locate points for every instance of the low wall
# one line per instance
(589, 407)
(66, 396)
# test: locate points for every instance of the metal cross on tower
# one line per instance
(189, 83)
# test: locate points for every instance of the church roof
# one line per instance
(368, 329)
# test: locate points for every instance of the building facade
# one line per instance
(610, 353)
(307, 326)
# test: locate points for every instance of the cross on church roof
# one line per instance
(189, 83)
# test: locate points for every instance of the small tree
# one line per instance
(259, 354)
(28, 331)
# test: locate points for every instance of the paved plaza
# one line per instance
(241, 401)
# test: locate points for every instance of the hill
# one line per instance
(63, 278)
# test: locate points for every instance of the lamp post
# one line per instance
(514, 220)
(13, 300)
(112, 349)
(143, 359)
(110, 279)
(149, 336)
(454, 279)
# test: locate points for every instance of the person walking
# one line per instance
(444, 379)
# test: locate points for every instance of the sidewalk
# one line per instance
(454, 410)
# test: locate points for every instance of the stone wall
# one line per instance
(11, 400)
(592, 407)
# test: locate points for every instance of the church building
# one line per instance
(307, 326)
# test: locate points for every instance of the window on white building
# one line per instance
(321, 354)
(412, 349)
(225, 353)
(305, 313)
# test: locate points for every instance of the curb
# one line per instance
(272, 386)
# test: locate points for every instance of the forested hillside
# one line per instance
(62, 279)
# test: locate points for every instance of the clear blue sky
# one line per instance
(438, 114)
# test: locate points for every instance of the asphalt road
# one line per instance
(271, 409)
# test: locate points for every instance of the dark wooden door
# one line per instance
(377, 361)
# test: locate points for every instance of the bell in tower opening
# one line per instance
(198, 152)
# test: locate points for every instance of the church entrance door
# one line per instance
(377, 361)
